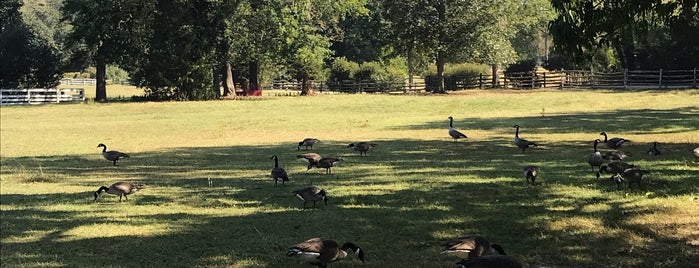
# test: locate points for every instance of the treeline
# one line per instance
(188, 49)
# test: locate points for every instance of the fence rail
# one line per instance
(41, 95)
(564, 79)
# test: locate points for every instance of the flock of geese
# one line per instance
(472, 250)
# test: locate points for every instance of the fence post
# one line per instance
(58, 96)
(592, 78)
(544, 79)
(626, 77)
(660, 79)
(480, 79)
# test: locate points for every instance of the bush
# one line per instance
(116, 74)
(466, 73)
(341, 70)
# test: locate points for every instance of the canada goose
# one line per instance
(654, 150)
(471, 246)
(313, 194)
(522, 143)
(308, 142)
(616, 155)
(362, 147)
(490, 261)
(119, 188)
(613, 143)
(113, 156)
(614, 168)
(530, 173)
(327, 163)
(595, 159)
(278, 173)
(321, 252)
(631, 175)
(453, 132)
(311, 158)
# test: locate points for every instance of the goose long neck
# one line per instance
(517, 131)
(595, 145)
(605, 136)
(104, 148)
(451, 122)
(276, 161)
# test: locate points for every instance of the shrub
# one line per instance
(454, 74)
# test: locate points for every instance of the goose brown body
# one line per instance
(362, 147)
(595, 159)
(311, 194)
(278, 173)
(614, 167)
(327, 163)
(471, 246)
(321, 252)
(654, 150)
(113, 156)
(530, 173)
(522, 143)
(632, 175)
(614, 143)
(122, 189)
(615, 155)
(307, 142)
(311, 158)
(453, 132)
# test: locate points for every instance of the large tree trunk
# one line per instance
(254, 83)
(440, 73)
(441, 38)
(228, 85)
(496, 75)
(411, 68)
(101, 77)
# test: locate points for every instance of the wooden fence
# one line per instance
(564, 79)
(41, 95)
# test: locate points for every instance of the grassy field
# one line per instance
(209, 201)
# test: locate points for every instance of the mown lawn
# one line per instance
(209, 201)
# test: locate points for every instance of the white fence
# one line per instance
(41, 95)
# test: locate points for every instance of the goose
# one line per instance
(321, 252)
(595, 159)
(522, 143)
(311, 158)
(307, 142)
(311, 193)
(327, 163)
(119, 188)
(490, 261)
(453, 132)
(278, 173)
(654, 150)
(614, 168)
(113, 156)
(362, 147)
(631, 175)
(616, 155)
(530, 173)
(471, 246)
(614, 143)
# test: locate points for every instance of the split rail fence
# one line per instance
(565, 79)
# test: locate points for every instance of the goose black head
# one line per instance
(350, 145)
(498, 248)
(357, 250)
(325, 196)
(101, 145)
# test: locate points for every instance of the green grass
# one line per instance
(209, 200)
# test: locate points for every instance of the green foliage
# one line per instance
(27, 60)
(342, 69)
(455, 73)
(115, 73)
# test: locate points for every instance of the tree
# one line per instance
(27, 59)
(108, 32)
(640, 32)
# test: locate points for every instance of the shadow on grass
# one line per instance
(399, 203)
